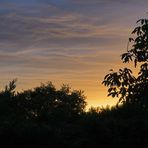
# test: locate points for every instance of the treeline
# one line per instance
(46, 117)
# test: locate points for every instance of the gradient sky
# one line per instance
(74, 42)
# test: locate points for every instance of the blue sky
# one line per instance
(65, 41)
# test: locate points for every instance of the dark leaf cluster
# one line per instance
(123, 84)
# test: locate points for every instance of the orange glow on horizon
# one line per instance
(63, 43)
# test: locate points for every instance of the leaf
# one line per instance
(111, 70)
(110, 89)
(131, 39)
(135, 62)
(138, 21)
(142, 21)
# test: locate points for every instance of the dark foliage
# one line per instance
(39, 117)
(45, 117)
(123, 84)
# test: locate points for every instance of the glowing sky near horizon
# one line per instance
(74, 42)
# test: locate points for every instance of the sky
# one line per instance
(72, 42)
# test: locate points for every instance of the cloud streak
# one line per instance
(64, 40)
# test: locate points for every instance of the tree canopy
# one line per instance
(42, 103)
(123, 84)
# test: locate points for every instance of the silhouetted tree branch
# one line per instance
(123, 84)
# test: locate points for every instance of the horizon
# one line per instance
(66, 41)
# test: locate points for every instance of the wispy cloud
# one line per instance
(74, 41)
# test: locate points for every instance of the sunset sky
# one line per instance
(73, 42)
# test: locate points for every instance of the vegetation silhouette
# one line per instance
(46, 117)
(124, 84)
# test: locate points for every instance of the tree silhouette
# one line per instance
(6, 98)
(46, 102)
(49, 117)
(123, 84)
